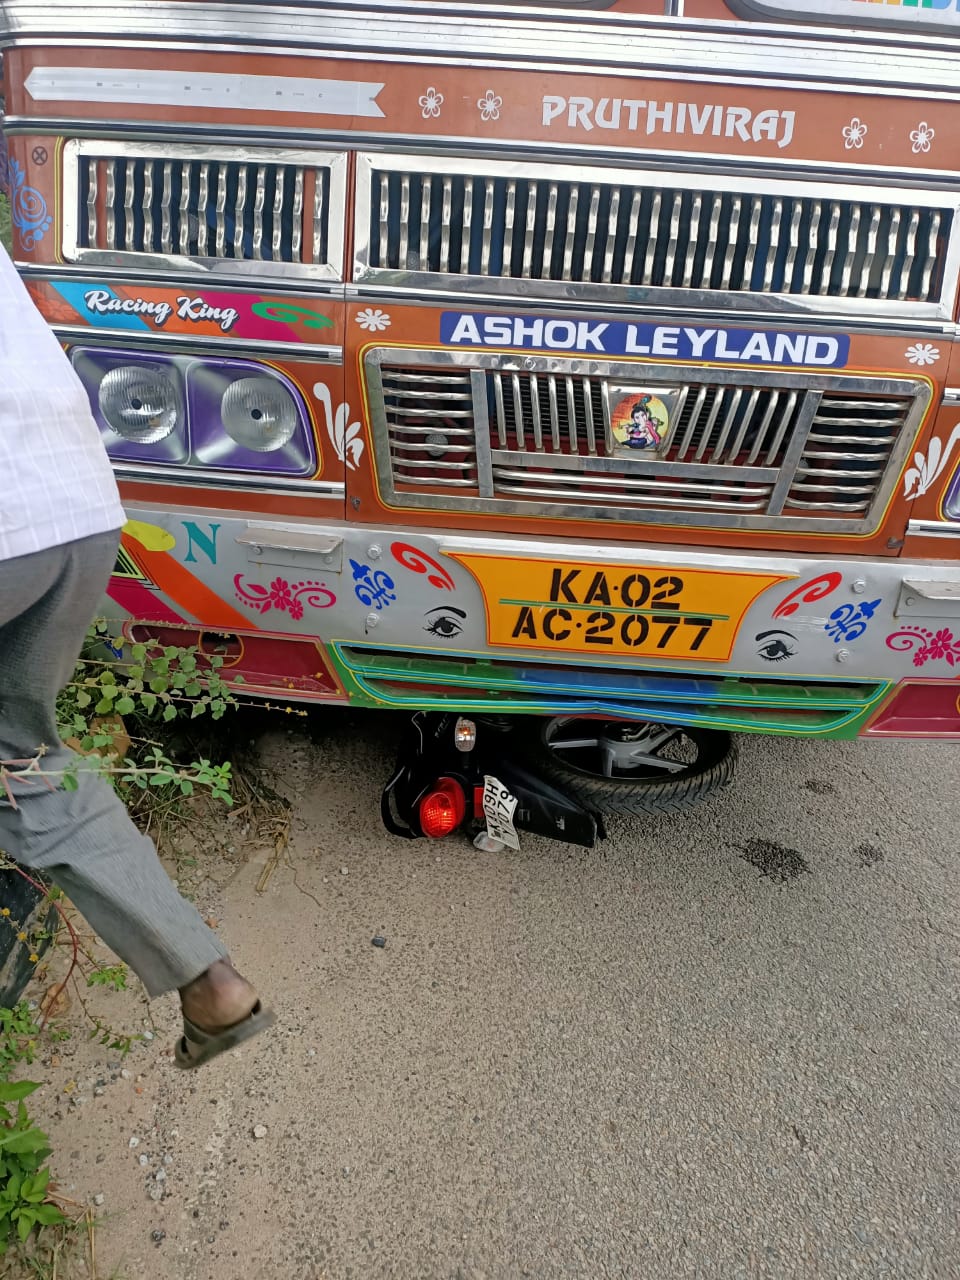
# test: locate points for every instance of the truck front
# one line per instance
(597, 364)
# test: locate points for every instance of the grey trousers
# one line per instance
(83, 840)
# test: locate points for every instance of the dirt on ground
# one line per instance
(721, 1045)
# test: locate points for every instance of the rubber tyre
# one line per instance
(713, 770)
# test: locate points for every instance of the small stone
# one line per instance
(99, 1198)
(125, 1074)
(144, 1161)
(100, 1158)
(161, 1175)
(99, 1091)
(148, 1036)
(134, 1142)
(344, 871)
(379, 940)
(156, 1193)
(259, 1130)
(311, 1053)
(174, 1133)
(158, 1236)
(168, 1160)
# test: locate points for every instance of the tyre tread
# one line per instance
(644, 799)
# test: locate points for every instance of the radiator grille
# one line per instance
(432, 434)
(768, 453)
(556, 225)
(215, 206)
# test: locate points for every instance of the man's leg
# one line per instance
(84, 840)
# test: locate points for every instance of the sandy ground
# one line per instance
(721, 1046)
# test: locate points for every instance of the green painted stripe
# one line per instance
(610, 608)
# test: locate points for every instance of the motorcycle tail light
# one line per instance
(442, 809)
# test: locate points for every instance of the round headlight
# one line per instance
(139, 403)
(259, 413)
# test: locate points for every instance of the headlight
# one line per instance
(139, 403)
(259, 414)
(202, 412)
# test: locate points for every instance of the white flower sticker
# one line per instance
(489, 106)
(928, 467)
(372, 321)
(854, 134)
(921, 137)
(345, 436)
(922, 353)
(430, 103)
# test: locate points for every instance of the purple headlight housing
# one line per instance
(197, 412)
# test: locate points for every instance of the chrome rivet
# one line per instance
(375, 552)
(843, 655)
(373, 619)
(859, 586)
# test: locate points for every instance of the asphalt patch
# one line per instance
(820, 787)
(775, 861)
(868, 855)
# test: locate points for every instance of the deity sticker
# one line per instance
(640, 419)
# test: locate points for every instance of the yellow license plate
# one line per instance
(636, 610)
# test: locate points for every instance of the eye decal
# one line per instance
(446, 621)
(776, 646)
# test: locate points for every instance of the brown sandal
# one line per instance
(195, 1046)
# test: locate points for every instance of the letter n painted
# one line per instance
(206, 542)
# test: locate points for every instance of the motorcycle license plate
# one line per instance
(499, 805)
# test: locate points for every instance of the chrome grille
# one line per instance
(266, 212)
(775, 450)
(430, 426)
(549, 223)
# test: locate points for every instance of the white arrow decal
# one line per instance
(206, 89)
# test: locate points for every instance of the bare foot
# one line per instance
(218, 999)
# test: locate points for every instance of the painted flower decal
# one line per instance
(921, 137)
(928, 467)
(284, 596)
(922, 353)
(373, 321)
(926, 646)
(430, 103)
(345, 436)
(854, 134)
(489, 106)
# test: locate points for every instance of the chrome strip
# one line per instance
(933, 529)
(222, 480)
(80, 335)
(387, 29)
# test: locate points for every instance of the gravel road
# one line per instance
(720, 1046)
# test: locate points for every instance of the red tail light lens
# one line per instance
(442, 809)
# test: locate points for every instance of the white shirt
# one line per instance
(56, 484)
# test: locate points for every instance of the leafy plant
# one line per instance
(23, 1183)
(18, 1037)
